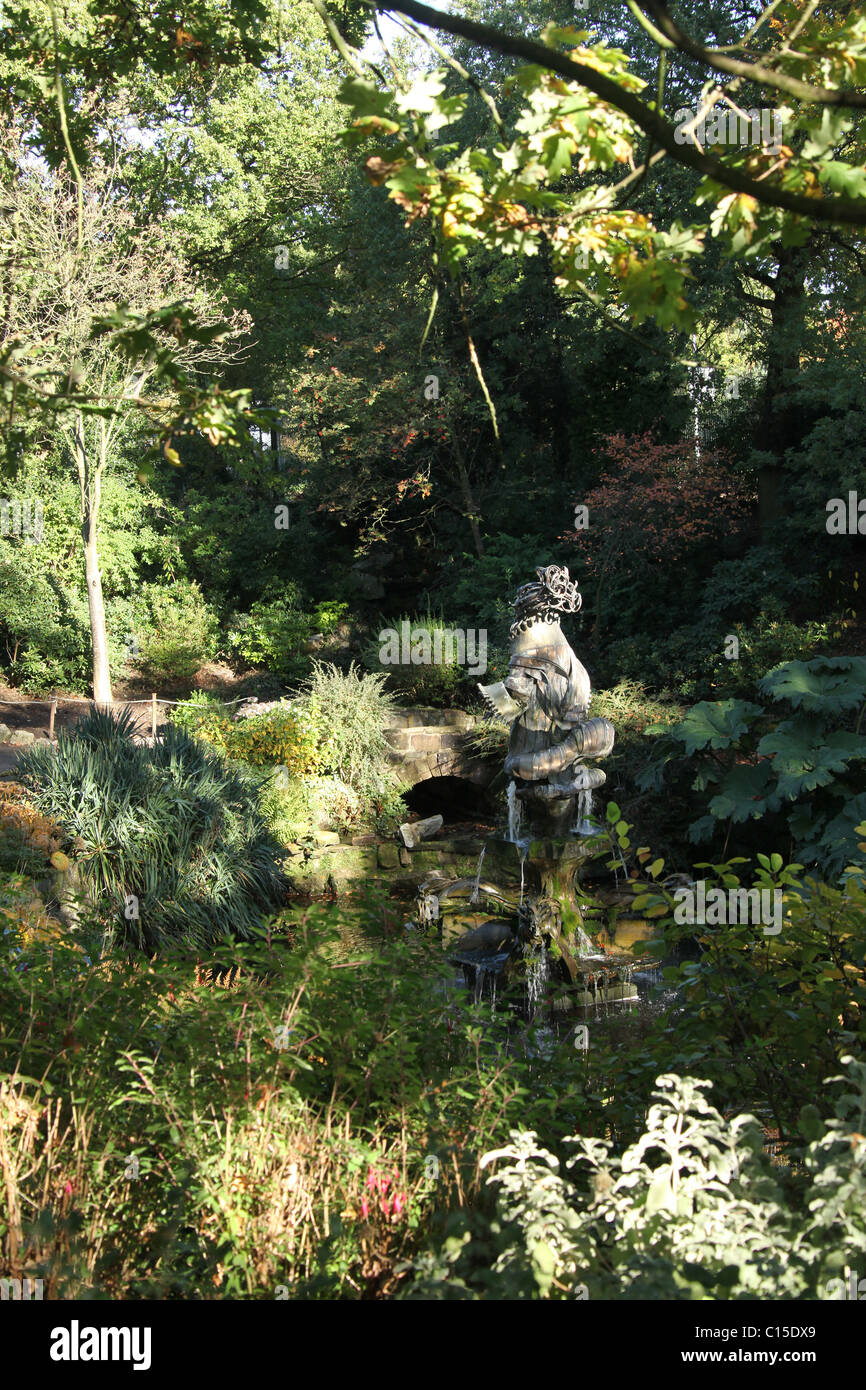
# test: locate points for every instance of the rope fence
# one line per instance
(154, 700)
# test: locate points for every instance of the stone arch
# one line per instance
(431, 743)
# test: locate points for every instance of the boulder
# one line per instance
(5, 733)
(412, 833)
(496, 935)
(21, 738)
(327, 837)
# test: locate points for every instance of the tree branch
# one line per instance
(838, 210)
(754, 71)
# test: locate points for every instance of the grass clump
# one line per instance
(171, 842)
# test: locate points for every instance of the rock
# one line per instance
(422, 861)
(327, 837)
(351, 864)
(405, 857)
(364, 841)
(468, 844)
(310, 876)
(21, 738)
(5, 733)
(412, 834)
(389, 856)
(496, 935)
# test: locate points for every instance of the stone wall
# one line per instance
(430, 743)
(344, 869)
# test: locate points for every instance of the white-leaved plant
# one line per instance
(693, 1210)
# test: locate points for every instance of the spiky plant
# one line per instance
(353, 710)
(172, 845)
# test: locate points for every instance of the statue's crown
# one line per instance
(543, 600)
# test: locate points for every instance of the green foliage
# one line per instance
(427, 681)
(326, 1074)
(275, 630)
(772, 638)
(486, 584)
(772, 1003)
(692, 1210)
(45, 640)
(286, 805)
(201, 714)
(173, 845)
(353, 709)
(43, 628)
(180, 634)
(692, 660)
(286, 736)
(488, 739)
(289, 735)
(754, 759)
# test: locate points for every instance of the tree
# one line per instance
(93, 307)
(655, 508)
(549, 181)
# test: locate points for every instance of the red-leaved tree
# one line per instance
(653, 510)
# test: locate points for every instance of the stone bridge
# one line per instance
(430, 743)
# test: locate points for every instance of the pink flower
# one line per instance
(399, 1203)
(371, 1179)
(68, 1188)
(365, 1208)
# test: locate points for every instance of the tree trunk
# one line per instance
(90, 484)
(101, 677)
(779, 427)
(470, 510)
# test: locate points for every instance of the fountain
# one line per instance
(531, 875)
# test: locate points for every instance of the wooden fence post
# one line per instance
(51, 721)
(153, 715)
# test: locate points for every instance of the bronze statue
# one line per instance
(546, 694)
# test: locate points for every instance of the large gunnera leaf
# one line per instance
(715, 724)
(828, 685)
(743, 793)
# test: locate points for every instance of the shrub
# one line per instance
(27, 839)
(770, 1007)
(736, 590)
(180, 634)
(335, 1082)
(652, 517)
(44, 629)
(286, 806)
(172, 845)
(287, 735)
(429, 682)
(274, 632)
(487, 583)
(204, 716)
(353, 711)
(692, 1210)
(801, 762)
(691, 662)
(772, 638)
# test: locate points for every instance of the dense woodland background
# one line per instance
(278, 370)
(235, 189)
